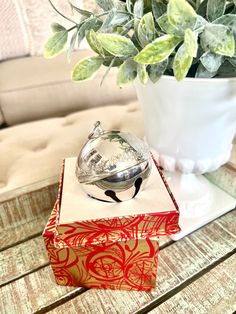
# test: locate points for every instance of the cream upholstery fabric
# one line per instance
(34, 151)
(35, 88)
(2, 120)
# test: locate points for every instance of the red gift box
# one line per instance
(129, 265)
(112, 246)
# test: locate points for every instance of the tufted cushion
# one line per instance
(34, 151)
(41, 88)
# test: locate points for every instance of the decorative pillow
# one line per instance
(25, 25)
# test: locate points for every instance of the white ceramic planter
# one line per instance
(191, 124)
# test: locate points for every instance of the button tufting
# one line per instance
(40, 147)
(67, 123)
(132, 108)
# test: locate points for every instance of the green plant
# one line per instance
(149, 38)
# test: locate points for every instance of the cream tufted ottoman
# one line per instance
(34, 151)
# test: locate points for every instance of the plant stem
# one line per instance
(70, 29)
(108, 70)
(65, 17)
(198, 2)
(117, 11)
(127, 27)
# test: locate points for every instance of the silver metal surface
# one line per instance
(113, 166)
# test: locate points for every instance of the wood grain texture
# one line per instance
(29, 189)
(22, 259)
(32, 292)
(24, 215)
(178, 263)
(26, 230)
(215, 292)
(224, 178)
(228, 222)
(18, 209)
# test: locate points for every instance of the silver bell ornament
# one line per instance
(113, 166)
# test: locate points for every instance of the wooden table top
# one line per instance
(195, 274)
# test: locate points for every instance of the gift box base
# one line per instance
(123, 265)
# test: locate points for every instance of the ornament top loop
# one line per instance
(97, 131)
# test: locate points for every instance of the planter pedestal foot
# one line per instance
(199, 201)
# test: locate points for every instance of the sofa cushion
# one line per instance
(35, 88)
(34, 151)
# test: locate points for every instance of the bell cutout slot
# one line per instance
(113, 196)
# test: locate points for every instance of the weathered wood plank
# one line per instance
(27, 229)
(26, 206)
(22, 259)
(215, 292)
(228, 222)
(22, 207)
(24, 212)
(224, 178)
(29, 189)
(178, 263)
(32, 292)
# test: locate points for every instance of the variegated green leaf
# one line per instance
(165, 25)
(200, 24)
(129, 6)
(56, 27)
(83, 12)
(90, 23)
(55, 44)
(106, 26)
(113, 20)
(120, 5)
(86, 68)
(158, 8)
(142, 73)
(117, 45)
(138, 8)
(181, 14)
(226, 70)
(218, 39)
(158, 50)
(190, 42)
(215, 9)
(203, 73)
(93, 42)
(182, 63)
(233, 61)
(155, 71)
(202, 8)
(211, 61)
(105, 4)
(127, 72)
(146, 29)
(227, 20)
